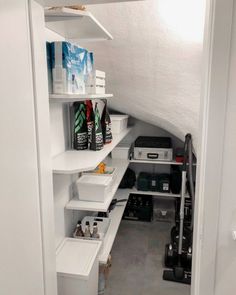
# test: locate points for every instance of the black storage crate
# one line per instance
(139, 207)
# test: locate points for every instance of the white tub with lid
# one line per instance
(77, 267)
(118, 123)
(94, 188)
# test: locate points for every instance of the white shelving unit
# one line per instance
(76, 204)
(156, 162)
(75, 24)
(66, 98)
(169, 195)
(116, 216)
(71, 162)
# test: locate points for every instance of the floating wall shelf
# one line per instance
(75, 25)
(64, 98)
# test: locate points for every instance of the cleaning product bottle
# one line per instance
(90, 120)
(106, 124)
(95, 233)
(87, 232)
(97, 138)
(78, 231)
(80, 134)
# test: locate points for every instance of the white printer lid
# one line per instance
(75, 257)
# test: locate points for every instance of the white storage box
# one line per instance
(77, 267)
(121, 151)
(110, 171)
(68, 68)
(96, 85)
(94, 188)
(118, 123)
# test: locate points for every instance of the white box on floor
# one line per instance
(77, 267)
(118, 123)
(96, 85)
(121, 151)
(94, 188)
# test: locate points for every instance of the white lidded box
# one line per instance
(69, 67)
(77, 267)
(121, 151)
(109, 171)
(118, 123)
(97, 83)
(94, 188)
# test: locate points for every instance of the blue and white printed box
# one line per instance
(69, 67)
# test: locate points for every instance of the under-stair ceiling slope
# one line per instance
(153, 64)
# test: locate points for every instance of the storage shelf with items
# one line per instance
(77, 204)
(71, 162)
(67, 98)
(159, 194)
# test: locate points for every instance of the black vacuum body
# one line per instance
(178, 253)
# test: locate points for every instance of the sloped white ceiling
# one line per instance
(153, 64)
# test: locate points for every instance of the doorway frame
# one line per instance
(213, 102)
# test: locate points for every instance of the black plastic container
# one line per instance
(139, 207)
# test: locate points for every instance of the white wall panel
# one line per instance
(225, 282)
(21, 267)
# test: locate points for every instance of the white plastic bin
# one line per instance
(118, 123)
(121, 151)
(94, 188)
(110, 171)
(103, 224)
(77, 267)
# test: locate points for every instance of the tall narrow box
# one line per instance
(69, 68)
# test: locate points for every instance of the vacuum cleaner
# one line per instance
(178, 254)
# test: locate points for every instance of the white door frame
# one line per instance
(216, 57)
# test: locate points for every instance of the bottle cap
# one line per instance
(87, 223)
(95, 223)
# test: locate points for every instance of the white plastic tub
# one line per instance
(77, 267)
(110, 171)
(122, 151)
(118, 123)
(94, 188)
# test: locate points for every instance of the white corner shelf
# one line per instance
(159, 194)
(75, 25)
(65, 98)
(76, 204)
(116, 216)
(156, 162)
(71, 162)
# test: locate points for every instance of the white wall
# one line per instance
(153, 65)
(225, 282)
(21, 266)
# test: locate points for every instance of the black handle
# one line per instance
(152, 156)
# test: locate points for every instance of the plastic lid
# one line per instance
(75, 257)
(95, 179)
(119, 117)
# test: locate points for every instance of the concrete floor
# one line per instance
(137, 261)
